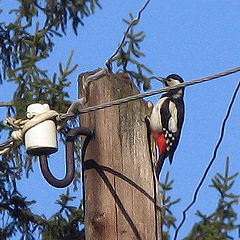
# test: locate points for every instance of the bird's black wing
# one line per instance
(180, 116)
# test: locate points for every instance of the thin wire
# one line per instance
(211, 162)
(154, 92)
(134, 21)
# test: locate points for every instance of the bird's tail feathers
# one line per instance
(170, 158)
(159, 166)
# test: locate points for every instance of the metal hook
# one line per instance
(70, 166)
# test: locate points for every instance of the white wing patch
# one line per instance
(155, 118)
(172, 124)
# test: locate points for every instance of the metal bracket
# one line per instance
(70, 166)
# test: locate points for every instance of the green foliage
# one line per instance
(66, 223)
(15, 213)
(222, 221)
(17, 218)
(34, 86)
(167, 217)
(20, 55)
(129, 52)
(18, 46)
(25, 43)
(41, 90)
(56, 12)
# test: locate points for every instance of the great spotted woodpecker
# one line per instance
(166, 120)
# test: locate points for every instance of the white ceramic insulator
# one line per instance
(42, 138)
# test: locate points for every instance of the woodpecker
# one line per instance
(167, 119)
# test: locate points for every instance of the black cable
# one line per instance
(90, 164)
(84, 148)
(154, 178)
(129, 181)
(210, 163)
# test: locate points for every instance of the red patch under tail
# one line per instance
(160, 141)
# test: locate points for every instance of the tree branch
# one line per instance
(7, 104)
(31, 217)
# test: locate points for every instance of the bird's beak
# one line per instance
(163, 80)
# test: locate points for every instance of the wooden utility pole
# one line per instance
(115, 208)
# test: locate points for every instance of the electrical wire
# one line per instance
(154, 92)
(63, 116)
(210, 163)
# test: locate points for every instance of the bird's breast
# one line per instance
(155, 118)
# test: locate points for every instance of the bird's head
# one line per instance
(173, 80)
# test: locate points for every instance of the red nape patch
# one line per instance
(160, 140)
